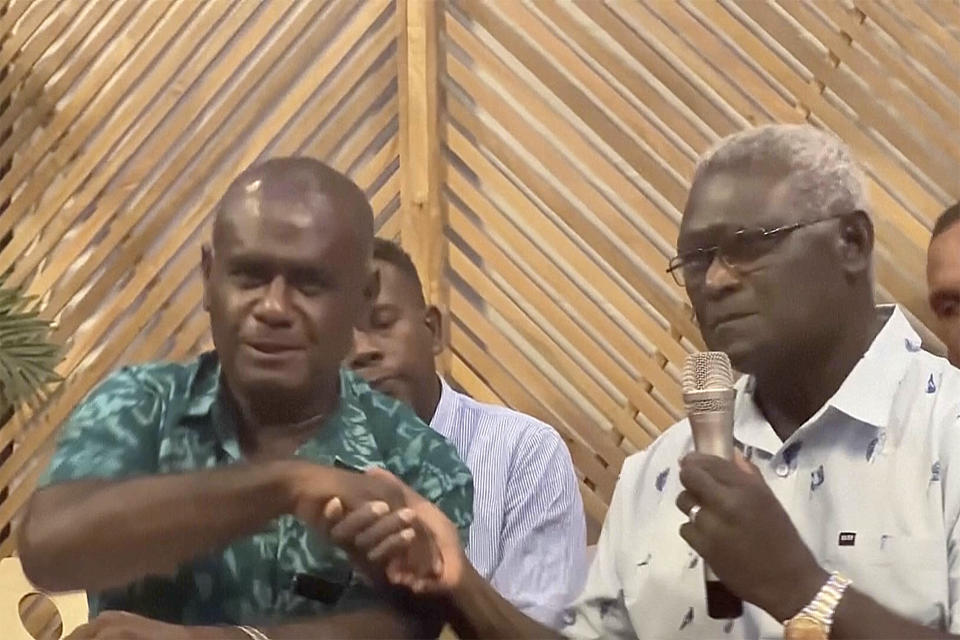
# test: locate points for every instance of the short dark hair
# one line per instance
(390, 252)
(946, 220)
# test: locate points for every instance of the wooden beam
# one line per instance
(422, 210)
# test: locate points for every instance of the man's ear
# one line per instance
(206, 267)
(434, 321)
(856, 237)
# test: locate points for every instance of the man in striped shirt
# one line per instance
(528, 535)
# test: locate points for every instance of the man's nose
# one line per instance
(720, 276)
(365, 353)
(274, 307)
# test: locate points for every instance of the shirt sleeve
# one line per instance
(112, 434)
(600, 612)
(543, 562)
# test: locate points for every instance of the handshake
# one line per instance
(391, 533)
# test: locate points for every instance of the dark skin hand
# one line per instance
(747, 538)
(431, 563)
(121, 625)
(171, 515)
(371, 534)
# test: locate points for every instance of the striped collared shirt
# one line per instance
(528, 536)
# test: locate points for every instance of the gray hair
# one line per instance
(824, 176)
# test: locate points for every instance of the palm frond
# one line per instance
(28, 359)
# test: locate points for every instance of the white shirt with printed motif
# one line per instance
(876, 468)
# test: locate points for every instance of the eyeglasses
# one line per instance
(736, 252)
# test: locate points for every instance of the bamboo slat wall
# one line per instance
(533, 156)
(571, 135)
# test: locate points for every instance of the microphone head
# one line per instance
(707, 371)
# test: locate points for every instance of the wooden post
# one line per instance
(423, 214)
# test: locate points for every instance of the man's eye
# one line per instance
(247, 280)
(948, 309)
(698, 261)
(746, 245)
(383, 318)
(311, 287)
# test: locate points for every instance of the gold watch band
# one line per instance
(821, 610)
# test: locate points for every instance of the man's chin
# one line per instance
(742, 353)
(269, 384)
(393, 387)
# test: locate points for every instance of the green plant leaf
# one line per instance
(28, 358)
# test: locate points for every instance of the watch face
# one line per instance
(803, 627)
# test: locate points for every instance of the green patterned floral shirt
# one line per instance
(166, 418)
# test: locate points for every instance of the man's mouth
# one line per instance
(271, 347)
(732, 317)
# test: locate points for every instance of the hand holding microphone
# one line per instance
(750, 547)
(708, 396)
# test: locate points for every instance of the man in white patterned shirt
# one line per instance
(528, 533)
(850, 435)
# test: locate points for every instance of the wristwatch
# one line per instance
(814, 620)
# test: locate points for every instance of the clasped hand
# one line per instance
(410, 542)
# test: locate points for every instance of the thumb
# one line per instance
(743, 464)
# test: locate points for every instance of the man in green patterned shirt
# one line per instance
(187, 495)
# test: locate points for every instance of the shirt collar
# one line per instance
(348, 421)
(866, 395)
(442, 420)
(204, 385)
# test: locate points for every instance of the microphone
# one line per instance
(708, 397)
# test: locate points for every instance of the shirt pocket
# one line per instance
(906, 574)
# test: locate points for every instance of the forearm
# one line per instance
(374, 623)
(481, 612)
(859, 616)
(99, 534)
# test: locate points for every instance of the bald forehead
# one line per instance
(301, 187)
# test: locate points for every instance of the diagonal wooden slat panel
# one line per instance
(28, 16)
(238, 105)
(615, 295)
(584, 311)
(592, 231)
(498, 294)
(58, 219)
(117, 69)
(914, 42)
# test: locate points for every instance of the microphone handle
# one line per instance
(713, 435)
(721, 602)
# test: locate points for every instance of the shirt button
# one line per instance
(783, 469)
